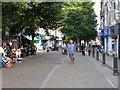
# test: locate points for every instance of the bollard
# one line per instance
(103, 62)
(89, 51)
(93, 52)
(97, 57)
(115, 65)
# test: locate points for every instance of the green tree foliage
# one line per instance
(80, 21)
(28, 16)
(75, 19)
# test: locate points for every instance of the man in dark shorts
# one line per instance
(71, 51)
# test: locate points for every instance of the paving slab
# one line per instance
(82, 74)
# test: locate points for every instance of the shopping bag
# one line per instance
(8, 65)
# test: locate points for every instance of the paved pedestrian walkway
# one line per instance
(32, 71)
(54, 70)
(85, 73)
(109, 60)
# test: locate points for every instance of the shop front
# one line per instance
(46, 42)
(13, 40)
(107, 40)
(119, 41)
(114, 33)
(105, 35)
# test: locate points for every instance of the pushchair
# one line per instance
(64, 51)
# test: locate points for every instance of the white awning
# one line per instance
(30, 37)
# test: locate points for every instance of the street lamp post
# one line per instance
(115, 59)
(119, 30)
(119, 40)
(116, 56)
(118, 22)
(0, 23)
(0, 33)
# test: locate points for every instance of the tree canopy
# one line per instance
(80, 22)
(76, 20)
(28, 16)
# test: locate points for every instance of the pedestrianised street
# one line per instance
(54, 70)
(60, 44)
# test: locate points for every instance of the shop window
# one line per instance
(112, 46)
(119, 5)
(110, 5)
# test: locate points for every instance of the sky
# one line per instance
(97, 10)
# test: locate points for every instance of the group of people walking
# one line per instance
(14, 53)
(71, 48)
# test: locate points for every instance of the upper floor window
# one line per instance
(114, 5)
(119, 4)
(110, 5)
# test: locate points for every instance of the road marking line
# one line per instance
(50, 74)
(113, 85)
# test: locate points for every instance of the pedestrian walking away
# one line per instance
(8, 49)
(64, 49)
(89, 49)
(83, 49)
(71, 51)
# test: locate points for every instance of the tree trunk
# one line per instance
(80, 45)
(33, 35)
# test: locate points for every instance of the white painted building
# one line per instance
(110, 19)
(45, 41)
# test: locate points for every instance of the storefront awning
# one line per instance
(30, 37)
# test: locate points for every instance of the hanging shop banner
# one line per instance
(106, 32)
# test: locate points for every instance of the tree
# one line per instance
(29, 16)
(75, 19)
(80, 21)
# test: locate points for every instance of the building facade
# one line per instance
(110, 25)
(45, 40)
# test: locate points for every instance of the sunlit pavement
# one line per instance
(54, 70)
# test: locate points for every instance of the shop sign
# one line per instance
(39, 38)
(36, 41)
(106, 32)
(46, 38)
(114, 30)
(111, 31)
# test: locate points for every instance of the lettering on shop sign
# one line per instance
(111, 31)
(106, 33)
